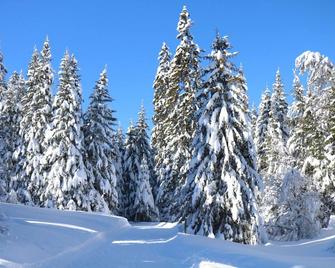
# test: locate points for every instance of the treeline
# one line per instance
(220, 169)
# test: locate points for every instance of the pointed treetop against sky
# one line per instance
(184, 24)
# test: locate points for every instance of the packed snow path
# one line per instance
(50, 238)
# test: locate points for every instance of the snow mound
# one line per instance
(51, 238)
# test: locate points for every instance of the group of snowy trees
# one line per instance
(226, 171)
(295, 151)
(204, 154)
(53, 155)
(212, 164)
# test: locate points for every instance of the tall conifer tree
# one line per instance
(3, 134)
(99, 143)
(223, 182)
(161, 111)
(66, 176)
(184, 81)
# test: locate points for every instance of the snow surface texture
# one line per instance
(50, 238)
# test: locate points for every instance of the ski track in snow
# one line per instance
(51, 238)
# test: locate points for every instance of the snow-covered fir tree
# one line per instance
(3, 134)
(277, 131)
(327, 186)
(279, 108)
(160, 86)
(317, 124)
(253, 118)
(223, 182)
(180, 104)
(296, 142)
(19, 182)
(10, 116)
(36, 115)
(137, 148)
(275, 157)
(100, 157)
(67, 184)
(262, 124)
(131, 163)
(40, 121)
(119, 143)
(143, 144)
(3, 72)
(144, 208)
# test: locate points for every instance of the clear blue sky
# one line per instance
(127, 36)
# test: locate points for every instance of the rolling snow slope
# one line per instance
(51, 238)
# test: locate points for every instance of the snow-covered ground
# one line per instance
(50, 238)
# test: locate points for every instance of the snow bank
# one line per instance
(51, 238)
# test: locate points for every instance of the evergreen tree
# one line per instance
(10, 116)
(279, 108)
(40, 121)
(3, 134)
(327, 184)
(119, 146)
(262, 125)
(36, 115)
(67, 183)
(297, 140)
(143, 144)
(144, 208)
(137, 148)
(277, 133)
(316, 126)
(180, 103)
(253, 117)
(161, 85)
(3, 72)
(20, 181)
(131, 164)
(222, 186)
(99, 138)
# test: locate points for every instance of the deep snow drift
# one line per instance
(50, 238)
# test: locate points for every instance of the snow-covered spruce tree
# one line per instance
(67, 183)
(137, 148)
(270, 199)
(262, 124)
(144, 147)
(276, 157)
(131, 164)
(3, 134)
(19, 182)
(3, 72)
(36, 115)
(42, 113)
(314, 161)
(223, 181)
(253, 117)
(316, 125)
(160, 86)
(119, 143)
(296, 142)
(277, 131)
(144, 208)
(279, 108)
(327, 186)
(100, 158)
(184, 81)
(10, 116)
